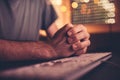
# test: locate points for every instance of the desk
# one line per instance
(106, 71)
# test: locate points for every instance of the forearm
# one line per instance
(17, 51)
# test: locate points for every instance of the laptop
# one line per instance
(61, 69)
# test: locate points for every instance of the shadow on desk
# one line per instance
(107, 71)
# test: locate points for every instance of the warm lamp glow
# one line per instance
(56, 2)
(86, 1)
(107, 5)
(96, 1)
(63, 8)
(111, 14)
(43, 33)
(74, 4)
(110, 21)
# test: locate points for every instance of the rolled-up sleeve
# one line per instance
(49, 15)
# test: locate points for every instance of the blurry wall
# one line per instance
(64, 12)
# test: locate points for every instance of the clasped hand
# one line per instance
(71, 40)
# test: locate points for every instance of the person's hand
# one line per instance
(79, 38)
(67, 41)
(71, 40)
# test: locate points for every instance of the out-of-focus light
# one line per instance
(111, 9)
(104, 1)
(57, 2)
(86, 1)
(111, 14)
(110, 21)
(43, 33)
(63, 8)
(74, 4)
(108, 6)
(81, 0)
(96, 1)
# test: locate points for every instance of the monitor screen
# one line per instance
(93, 11)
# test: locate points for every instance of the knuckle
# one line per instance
(76, 38)
(89, 42)
(85, 28)
(81, 26)
(73, 39)
(67, 26)
(76, 46)
(73, 30)
(88, 35)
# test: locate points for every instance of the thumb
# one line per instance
(63, 31)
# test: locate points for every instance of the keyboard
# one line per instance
(62, 69)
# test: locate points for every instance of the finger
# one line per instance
(82, 51)
(80, 45)
(79, 37)
(76, 29)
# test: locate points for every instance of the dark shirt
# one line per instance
(22, 19)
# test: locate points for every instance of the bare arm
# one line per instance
(67, 41)
(16, 51)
